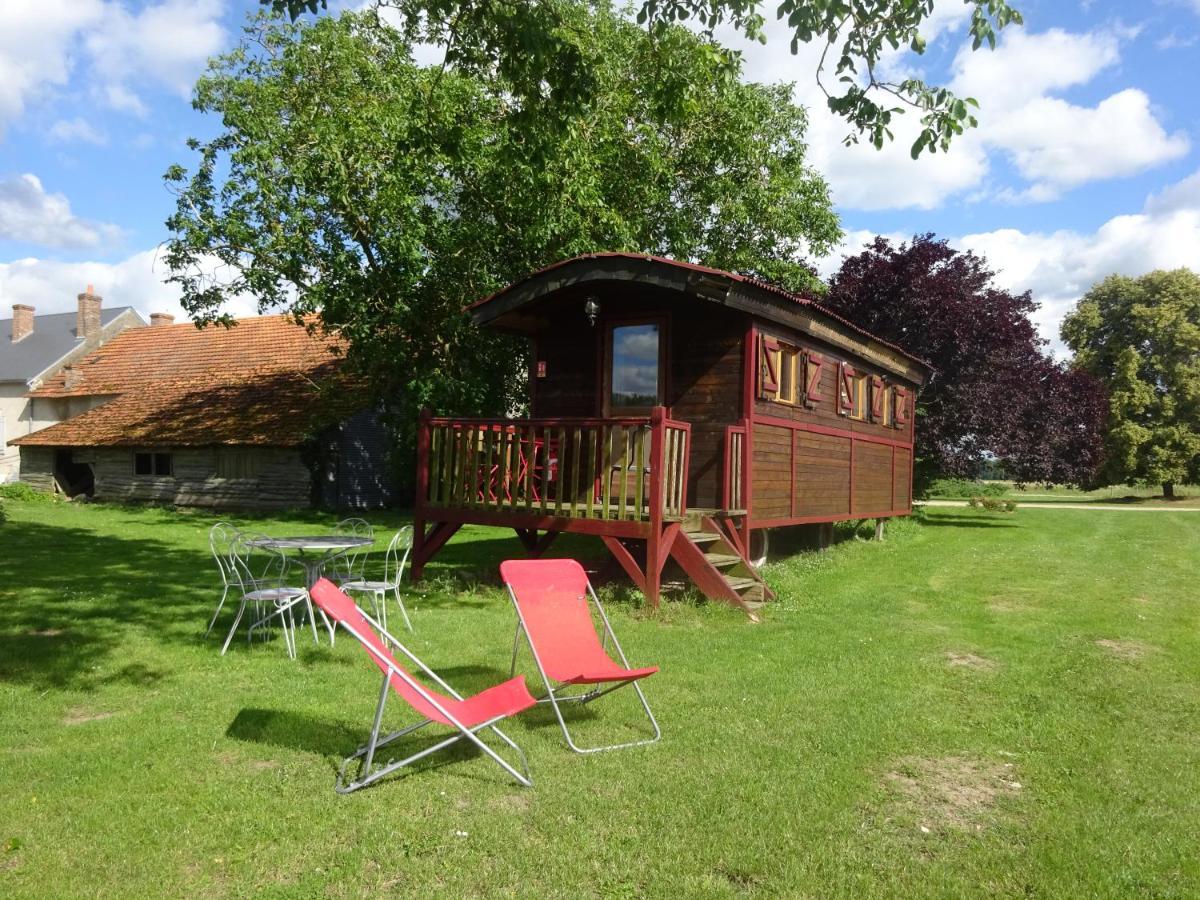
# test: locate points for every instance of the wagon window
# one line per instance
(787, 367)
(860, 398)
(634, 367)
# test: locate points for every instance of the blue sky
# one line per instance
(1087, 160)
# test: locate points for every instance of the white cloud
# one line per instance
(77, 130)
(29, 214)
(1054, 144)
(44, 43)
(50, 286)
(168, 42)
(37, 49)
(1058, 267)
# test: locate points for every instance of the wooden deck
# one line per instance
(621, 479)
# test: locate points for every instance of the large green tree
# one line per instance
(347, 179)
(1141, 337)
(524, 39)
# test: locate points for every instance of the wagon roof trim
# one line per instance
(650, 269)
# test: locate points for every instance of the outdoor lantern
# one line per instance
(591, 309)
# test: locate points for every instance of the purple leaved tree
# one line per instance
(995, 390)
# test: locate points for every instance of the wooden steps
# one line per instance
(715, 564)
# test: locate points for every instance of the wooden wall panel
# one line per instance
(771, 489)
(705, 389)
(569, 388)
(872, 478)
(822, 475)
(902, 497)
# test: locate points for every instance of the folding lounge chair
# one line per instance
(551, 598)
(467, 716)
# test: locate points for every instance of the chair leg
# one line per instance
(400, 603)
(379, 602)
(217, 612)
(237, 620)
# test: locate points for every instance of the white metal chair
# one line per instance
(394, 561)
(270, 594)
(220, 538)
(349, 566)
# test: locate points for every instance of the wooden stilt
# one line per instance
(879, 529)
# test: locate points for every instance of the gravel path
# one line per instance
(1084, 506)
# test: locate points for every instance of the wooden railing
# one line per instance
(621, 468)
(735, 487)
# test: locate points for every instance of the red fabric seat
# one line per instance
(552, 596)
(505, 699)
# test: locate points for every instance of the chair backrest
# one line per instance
(338, 606)
(243, 562)
(397, 555)
(552, 596)
(220, 537)
(352, 563)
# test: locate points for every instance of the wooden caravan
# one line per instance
(677, 411)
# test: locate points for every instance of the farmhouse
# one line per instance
(34, 348)
(677, 412)
(257, 415)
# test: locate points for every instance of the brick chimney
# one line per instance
(87, 319)
(22, 321)
(162, 319)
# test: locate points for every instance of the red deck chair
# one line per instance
(551, 597)
(466, 716)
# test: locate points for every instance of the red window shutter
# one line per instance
(846, 375)
(768, 376)
(812, 389)
(901, 407)
(877, 390)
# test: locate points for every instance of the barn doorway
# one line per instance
(73, 478)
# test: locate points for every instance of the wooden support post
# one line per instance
(879, 529)
(422, 489)
(654, 543)
(826, 536)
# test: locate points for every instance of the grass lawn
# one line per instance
(980, 705)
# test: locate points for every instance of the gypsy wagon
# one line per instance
(676, 412)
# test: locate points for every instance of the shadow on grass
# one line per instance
(290, 730)
(967, 522)
(71, 594)
(335, 740)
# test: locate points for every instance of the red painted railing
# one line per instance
(735, 486)
(632, 468)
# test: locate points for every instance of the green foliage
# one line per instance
(992, 504)
(964, 488)
(1141, 337)
(349, 180)
(19, 490)
(522, 36)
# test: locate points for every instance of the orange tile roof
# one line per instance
(266, 381)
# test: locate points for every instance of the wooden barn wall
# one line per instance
(37, 467)
(704, 367)
(279, 479)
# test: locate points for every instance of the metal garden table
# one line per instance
(313, 552)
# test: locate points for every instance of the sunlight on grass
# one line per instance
(977, 705)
